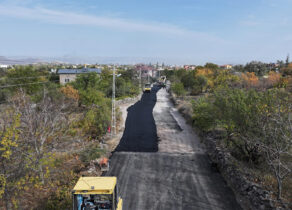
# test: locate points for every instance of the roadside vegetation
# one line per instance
(248, 110)
(49, 133)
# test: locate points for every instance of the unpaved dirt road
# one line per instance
(160, 163)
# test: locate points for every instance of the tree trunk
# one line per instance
(42, 173)
(279, 188)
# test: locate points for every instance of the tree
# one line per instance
(236, 111)
(257, 67)
(189, 80)
(280, 64)
(178, 88)
(88, 80)
(239, 68)
(70, 92)
(211, 66)
(11, 163)
(225, 79)
(274, 78)
(287, 71)
(42, 125)
(180, 73)
(201, 82)
(203, 114)
(25, 75)
(199, 67)
(97, 118)
(250, 80)
(274, 134)
(287, 61)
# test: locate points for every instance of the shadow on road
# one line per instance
(140, 133)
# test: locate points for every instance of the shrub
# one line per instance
(91, 153)
(178, 89)
(203, 116)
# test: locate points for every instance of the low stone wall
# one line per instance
(248, 194)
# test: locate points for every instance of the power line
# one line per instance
(47, 91)
(22, 78)
(34, 77)
(7, 86)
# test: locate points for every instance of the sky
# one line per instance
(170, 31)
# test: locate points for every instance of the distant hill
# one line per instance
(22, 60)
(18, 60)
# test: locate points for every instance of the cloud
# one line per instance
(70, 18)
(152, 39)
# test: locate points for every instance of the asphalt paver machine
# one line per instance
(96, 193)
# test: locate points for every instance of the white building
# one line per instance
(3, 66)
(69, 75)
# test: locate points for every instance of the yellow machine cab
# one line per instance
(147, 88)
(96, 193)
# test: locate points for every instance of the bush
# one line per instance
(91, 153)
(61, 199)
(201, 82)
(178, 89)
(203, 117)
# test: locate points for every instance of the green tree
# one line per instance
(11, 161)
(211, 66)
(88, 80)
(26, 75)
(178, 88)
(189, 80)
(239, 68)
(201, 82)
(257, 67)
(287, 61)
(98, 116)
(203, 114)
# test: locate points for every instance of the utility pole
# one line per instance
(140, 80)
(113, 130)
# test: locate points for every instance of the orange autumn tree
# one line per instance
(250, 79)
(274, 78)
(205, 72)
(70, 92)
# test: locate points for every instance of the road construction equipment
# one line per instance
(147, 88)
(162, 81)
(96, 193)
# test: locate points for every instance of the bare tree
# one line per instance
(277, 144)
(274, 142)
(41, 126)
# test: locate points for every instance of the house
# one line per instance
(69, 75)
(3, 66)
(227, 66)
(189, 67)
(146, 70)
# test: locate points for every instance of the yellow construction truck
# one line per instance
(147, 88)
(96, 193)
